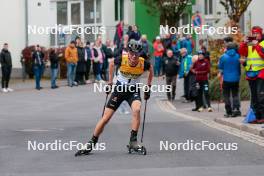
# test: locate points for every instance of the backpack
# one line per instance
(194, 90)
(95, 52)
(96, 58)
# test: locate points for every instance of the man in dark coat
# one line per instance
(6, 66)
(81, 65)
(170, 69)
(54, 65)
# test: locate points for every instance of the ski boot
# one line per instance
(134, 147)
(88, 147)
(86, 150)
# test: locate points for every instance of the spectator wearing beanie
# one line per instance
(201, 69)
(229, 66)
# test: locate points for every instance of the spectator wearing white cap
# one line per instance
(158, 53)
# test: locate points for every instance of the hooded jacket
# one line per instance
(229, 65)
(5, 58)
(185, 66)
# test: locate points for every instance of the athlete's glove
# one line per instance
(108, 89)
(147, 92)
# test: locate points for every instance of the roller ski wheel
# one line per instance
(85, 151)
(138, 149)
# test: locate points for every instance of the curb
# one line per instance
(240, 126)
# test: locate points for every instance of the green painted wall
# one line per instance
(147, 23)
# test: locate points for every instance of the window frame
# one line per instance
(82, 16)
(209, 7)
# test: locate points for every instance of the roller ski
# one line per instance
(134, 147)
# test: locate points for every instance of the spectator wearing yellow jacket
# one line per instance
(71, 56)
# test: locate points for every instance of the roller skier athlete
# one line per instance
(131, 67)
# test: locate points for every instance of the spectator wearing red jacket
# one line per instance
(201, 69)
(158, 53)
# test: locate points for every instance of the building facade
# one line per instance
(214, 14)
(26, 22)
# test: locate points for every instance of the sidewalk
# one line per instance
(29, 84)
(218, 116)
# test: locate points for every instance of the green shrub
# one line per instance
(215, 89)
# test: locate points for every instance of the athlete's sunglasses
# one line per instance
(133, 53)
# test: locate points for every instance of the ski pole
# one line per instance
(105, 104)
(221, 91)
(143, 125)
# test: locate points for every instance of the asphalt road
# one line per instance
(71, 113)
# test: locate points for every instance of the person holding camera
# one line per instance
(38, 65)
(253, 49)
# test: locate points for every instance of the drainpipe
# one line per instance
(26, 22)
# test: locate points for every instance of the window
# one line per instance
(76, 13)
(208, 7)
(116, 10)
(89, 11)
(98, 11)
(119, 10)
(82, 13)
(62, 13)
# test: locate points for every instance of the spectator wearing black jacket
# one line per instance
(170, 70)
(81, 64)
(136, 35)
(6, 66)
(38, 65)
(130, 32)
(54, 66)
(88, 56)
(167, 43)
(109, 54)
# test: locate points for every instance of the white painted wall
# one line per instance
(41, 16)
(256, 11)
(13, 24)
(12, 30)
(108, 16)
(129, 15)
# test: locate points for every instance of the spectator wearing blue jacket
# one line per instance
(230, 69)
(185, 66)
(188, 44)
